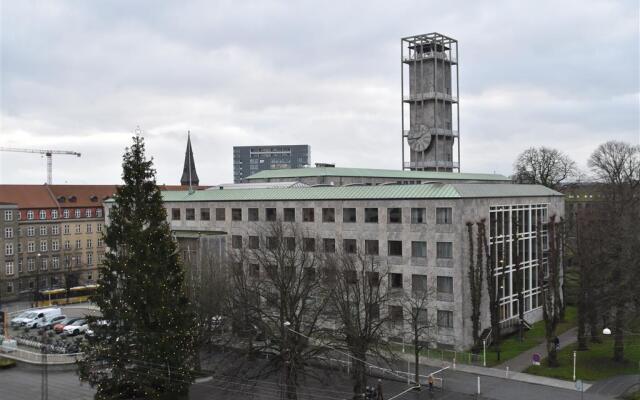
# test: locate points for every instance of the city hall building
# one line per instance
(418, 231)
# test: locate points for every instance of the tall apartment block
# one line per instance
(248, 160)
(430, 112)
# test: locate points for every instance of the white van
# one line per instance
(39, 317)
(20, 318)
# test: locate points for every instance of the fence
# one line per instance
(39, 358)
(452, 356)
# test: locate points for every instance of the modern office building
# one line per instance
(249, 160)
(418, 231)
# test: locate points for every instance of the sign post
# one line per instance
(536, 358)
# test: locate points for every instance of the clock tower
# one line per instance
(430, 112)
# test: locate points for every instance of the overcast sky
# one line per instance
(81, 75)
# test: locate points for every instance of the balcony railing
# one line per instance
(429, 55)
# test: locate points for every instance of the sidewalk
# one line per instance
(523, 361)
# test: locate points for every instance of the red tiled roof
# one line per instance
(85, 195)
(27, 196)
(46, 196)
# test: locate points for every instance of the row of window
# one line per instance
(55, 230)
(444, 250)
(42, 214)
(396, 315)
(444, 215)
(68, 261)
(55, 282)
(43, 246)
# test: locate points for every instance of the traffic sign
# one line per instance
(536, 358)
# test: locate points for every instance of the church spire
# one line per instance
(189, 175)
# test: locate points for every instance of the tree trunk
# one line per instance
(618, 343)
(359, 374)
(552, 355)
(416, 350)
(593, 324)
(582, 337)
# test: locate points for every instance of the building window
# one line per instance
(87, 213)
(67, 245)
(8, 268)
(445, 319)
(78, 244)
(8, 233)
(43, 214)
(254, 242)
(289, 215)
(66, 229)
(308, 214)
(89, 244)
(175, 214)
(205, 214)
(99, 212)
(30, 214)
(190, 214)
(55, 262)
(254, 214)
(31, 231)
(100, 243)
(395, 247)
(43, 245)
(329, 245)
(254, 270)
(99, 227)
(31, 247)
(394, 215)
(55, 245)
(65, 213)
(418, 215)
(443, 215)
(8, 215)
(220, 214)
(43, 230)
(419, 285)
(349, 215)
(89, 228)
(290, 243)
(371, 247)
(395, 281)
(78, 230)
(270, 214)
(31, 264)
(9, 287)
(419, 249)
(396, 315)
(272, 242)
(328, 215)
(371, 215)
(44, 264)
(89, 258)
(309, 244)
(78, 213)
(236, 214)
(236, 241)
(350, 246)
(54, 214)
(445, 285)
(55, 229)
(444, 250)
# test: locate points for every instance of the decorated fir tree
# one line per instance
(146, 349)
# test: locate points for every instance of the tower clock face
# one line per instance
(419, 139)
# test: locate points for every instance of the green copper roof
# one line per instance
(424, 191)
(372, 173)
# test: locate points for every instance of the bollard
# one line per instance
(507, 371)
(478, 386)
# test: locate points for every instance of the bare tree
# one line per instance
(359, 296)
(420, 321)
(475, 271)
(491, 264)
(551, 301)
(518, 284)
(544, 166)
(277, 293)
(617, 165)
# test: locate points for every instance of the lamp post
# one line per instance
(607, 331)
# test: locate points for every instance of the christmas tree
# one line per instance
(145, 348)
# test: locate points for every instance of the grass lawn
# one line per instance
(6, 363)
(595, 363)
(511, 346)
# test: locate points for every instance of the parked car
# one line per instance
(75, 328)
(58, 328)
(48, 323)
(89, 332)
(39, 316)
(20, 318)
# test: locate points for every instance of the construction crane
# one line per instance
(48, 153)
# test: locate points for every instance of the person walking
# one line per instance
(430, 381)
(379, 390)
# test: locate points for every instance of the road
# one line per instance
(24, 383)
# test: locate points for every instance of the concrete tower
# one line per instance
(430, 112)
(189, 174)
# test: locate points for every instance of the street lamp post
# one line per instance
(607, 331)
